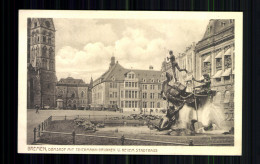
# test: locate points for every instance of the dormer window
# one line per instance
(129, 76)
(144, 80)
(35, 24)
(223, 24)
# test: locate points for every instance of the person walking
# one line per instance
(37, 108)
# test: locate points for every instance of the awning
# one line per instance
(207, 59)
(218, 74)
(227, 72)
(219, 55)
(228, 52)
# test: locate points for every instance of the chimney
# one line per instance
(150, 67)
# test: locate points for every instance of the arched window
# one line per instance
(51, 65)
(60, 93)
(51, 53)
(73, 95)
(158, 105)
(49, 40)
(44, 51)
(218, 97)
(36, 51)
(227, 97)
(82, 94)
(44, 39)
(32, 54)
(38, 64)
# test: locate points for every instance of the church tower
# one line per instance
(41, 62)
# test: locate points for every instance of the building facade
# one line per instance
(187, 60)
(73, 93)
(132, 90)
(41, 73)
(214, 54)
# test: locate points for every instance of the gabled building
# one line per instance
(73, 93)
(129, 89)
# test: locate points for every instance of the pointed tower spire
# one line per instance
(91, 82)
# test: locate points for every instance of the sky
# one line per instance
(84, 47)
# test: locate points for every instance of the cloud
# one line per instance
(87, 47)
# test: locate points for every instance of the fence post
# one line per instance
(123, 139)
(42, 126)
(73, 137)
(39, 130)
(65, 117)
(34, 135)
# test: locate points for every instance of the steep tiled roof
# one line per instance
(118, 73)
(148, 75)
(70, 80)
(215, 26)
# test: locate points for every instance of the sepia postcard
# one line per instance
(130, 82)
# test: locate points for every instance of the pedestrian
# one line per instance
(37, 108)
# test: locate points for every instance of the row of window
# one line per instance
(226, 97)
(113, 94)
(206, 67)
(113, 85)
(145, 105)
(129, 104)
(113, 102)
(97, 96)
(131, 84)
(131, 76)
(50, 34)
(129, 94)
(152, 80)
(36, 39)
(152, 95)
(134, 94)
(152, 87)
